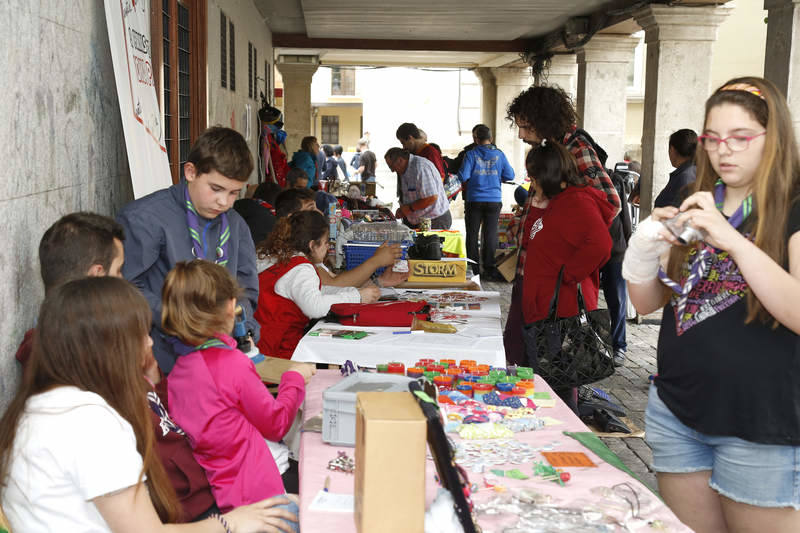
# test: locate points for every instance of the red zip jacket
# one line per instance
(571, 231)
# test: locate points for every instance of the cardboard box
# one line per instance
(391, 434)
(452, 271)
(507, 264)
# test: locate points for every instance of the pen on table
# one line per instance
(327, 483)
(412, 332)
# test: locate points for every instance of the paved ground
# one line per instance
(627, 387)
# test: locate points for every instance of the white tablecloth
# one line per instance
(479, 337)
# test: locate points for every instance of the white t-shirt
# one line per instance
(70, 448)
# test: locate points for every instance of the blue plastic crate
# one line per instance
(356, 252)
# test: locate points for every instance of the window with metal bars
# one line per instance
(343, 81)
(223, 49)
(179, 71)
(249, 69)
(232, 56)
(330, 129)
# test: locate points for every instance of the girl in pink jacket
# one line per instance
(216, 395)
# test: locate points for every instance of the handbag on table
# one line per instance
(572, 351)
(390, 314)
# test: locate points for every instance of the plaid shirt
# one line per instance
(590, 168)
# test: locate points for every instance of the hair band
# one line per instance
(746, 87)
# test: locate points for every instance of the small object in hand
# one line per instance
(685, 233)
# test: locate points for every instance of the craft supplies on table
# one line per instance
(474, 315)
(339, 403)
(588, 488)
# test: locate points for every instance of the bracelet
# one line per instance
(222, 521)
(376, 280)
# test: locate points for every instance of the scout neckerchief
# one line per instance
(198, 245)
(212, 343)
(697, 268)
(181, 348)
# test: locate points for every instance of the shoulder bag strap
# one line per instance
(553, 315)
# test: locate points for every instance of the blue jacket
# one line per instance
(157, 237)
(306, 161)
(676, 189)
(483, 169)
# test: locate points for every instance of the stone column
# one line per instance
(297, 72)
(563, 72)
(677, 82)
(603, 65)
(488, 97)
(782, 60)
(510, 82)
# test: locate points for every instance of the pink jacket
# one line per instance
(217, 397)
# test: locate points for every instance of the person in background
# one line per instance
(296, 178)
(291, 292)
(454, 165)
(421, 191)
(216, 394)
(193, 219)
(76, 443)
(292, 200)
(306, 158)
(258, 212)
(369, 164)
(723, 415)
(543, 112)
(567, 226)
(337, 155)
(328, 168)
(682, 146)
(411, 138)
(355, 161)
(484, 168)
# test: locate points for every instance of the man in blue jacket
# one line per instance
(193, 219)
(483, 170)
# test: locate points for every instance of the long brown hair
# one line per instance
(775, 185)
(91, 335)
(292, 234)
(194, 301)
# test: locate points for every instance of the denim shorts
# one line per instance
(764, 475)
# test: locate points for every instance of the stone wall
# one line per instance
(226, 107)
(62, 145)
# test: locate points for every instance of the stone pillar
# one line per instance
(782, 60)
(297, 72)
(677, 82)
(563, 72)
(603, 65)
(488, 97)
(510, 82)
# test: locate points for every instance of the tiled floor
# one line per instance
(628, 386)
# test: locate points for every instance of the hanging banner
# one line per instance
(128, 24)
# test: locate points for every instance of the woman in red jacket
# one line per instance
(567, 225)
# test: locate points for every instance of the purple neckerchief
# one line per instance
(698, 267)
(181, 348)
(198, 242)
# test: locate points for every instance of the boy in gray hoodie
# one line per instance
(193, 219)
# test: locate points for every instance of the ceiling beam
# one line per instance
(297, 40)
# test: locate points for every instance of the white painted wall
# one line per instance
(61, 145)
(225, 107)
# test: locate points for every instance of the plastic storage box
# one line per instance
(339, 403)
(356, 252)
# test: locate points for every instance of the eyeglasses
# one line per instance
(736, 143)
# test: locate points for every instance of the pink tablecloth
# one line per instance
(315, 454)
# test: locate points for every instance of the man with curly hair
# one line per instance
(547, 113)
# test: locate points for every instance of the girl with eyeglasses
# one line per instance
(723, 417)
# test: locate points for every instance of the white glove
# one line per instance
(643, 257)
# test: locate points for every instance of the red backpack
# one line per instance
(390, 314)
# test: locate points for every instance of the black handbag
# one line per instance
(573, 351)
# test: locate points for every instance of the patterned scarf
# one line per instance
(698, 267)
(198, 244)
